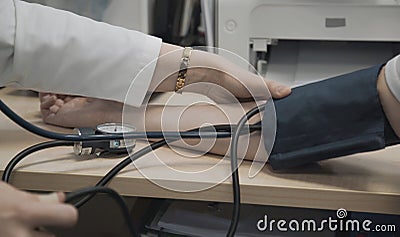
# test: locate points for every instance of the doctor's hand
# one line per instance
(22, 213)
(208, 73)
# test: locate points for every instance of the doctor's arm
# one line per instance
(51, 50)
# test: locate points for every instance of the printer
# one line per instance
(299, 41)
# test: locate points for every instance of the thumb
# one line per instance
(278, 90)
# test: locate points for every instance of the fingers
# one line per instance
(277, 89)
(56, 106)
(61, 196)
(60, 96)
(47, 101)
(244, 84)
(52, 197)
(43, 96)
(24, 213)
(50, 104)
(257, 89)
(51, 211)
(51, 214)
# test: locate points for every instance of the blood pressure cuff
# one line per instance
(330, 118)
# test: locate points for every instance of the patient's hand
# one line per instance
(71, 111)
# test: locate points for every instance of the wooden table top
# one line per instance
(367, 182)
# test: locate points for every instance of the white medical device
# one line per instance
(297, 41)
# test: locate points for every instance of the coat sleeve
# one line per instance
(46, 49)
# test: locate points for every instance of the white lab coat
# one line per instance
(54, 50)
(46, 49)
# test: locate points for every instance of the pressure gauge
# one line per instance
(114, 128)
(117, 146)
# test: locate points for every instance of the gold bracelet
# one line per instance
(180, 81)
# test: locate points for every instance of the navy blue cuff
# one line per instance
(330, 118)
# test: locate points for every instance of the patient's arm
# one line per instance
(331, 118)
(171, 117)
(389, 103)
(88, 112)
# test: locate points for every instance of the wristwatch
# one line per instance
(116, 146)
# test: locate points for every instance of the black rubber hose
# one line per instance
(35, 148)
(118, 199)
